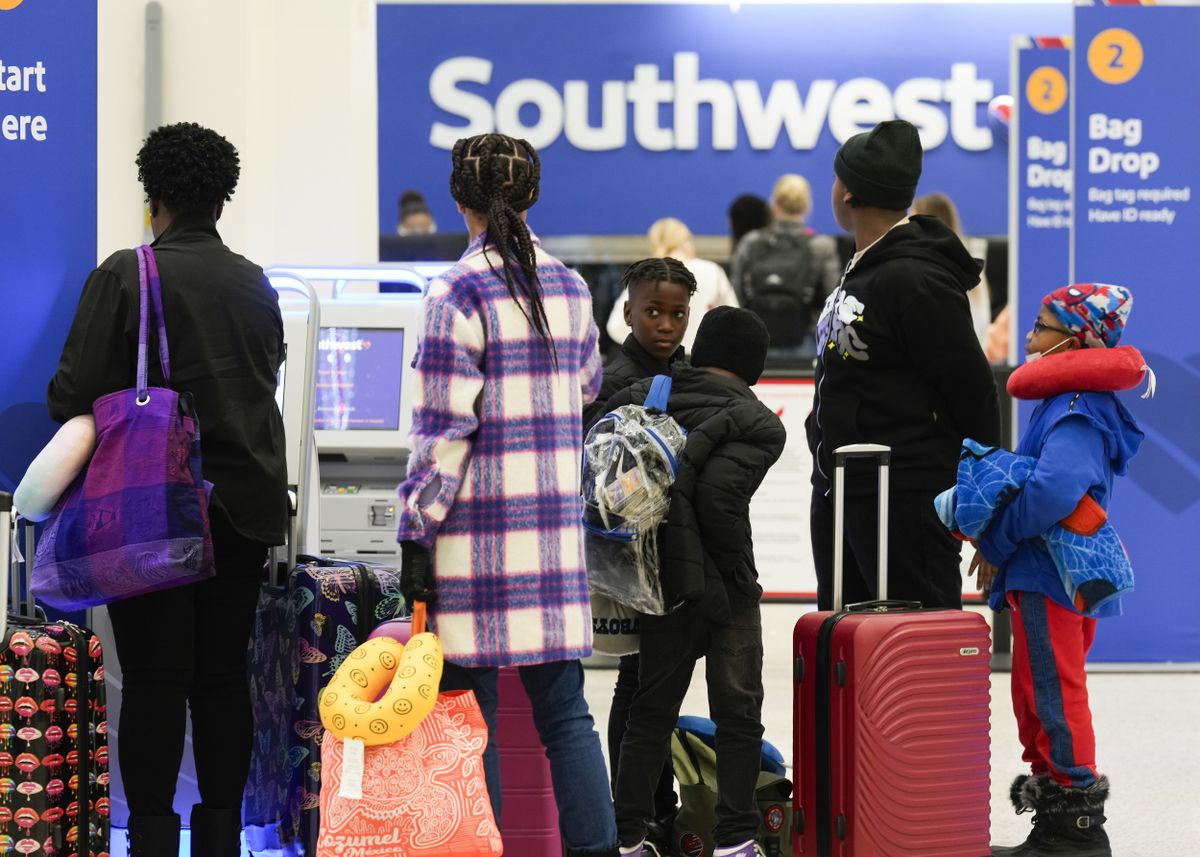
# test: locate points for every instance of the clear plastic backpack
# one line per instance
(630, 458)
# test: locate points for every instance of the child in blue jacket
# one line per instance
(1081, 441)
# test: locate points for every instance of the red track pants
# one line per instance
(1049, 688)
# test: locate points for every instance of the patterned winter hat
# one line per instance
(1095, 312)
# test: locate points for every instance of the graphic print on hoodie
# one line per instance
(835, 329)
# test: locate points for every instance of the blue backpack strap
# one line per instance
(660, 392)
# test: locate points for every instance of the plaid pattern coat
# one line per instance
(493, 480)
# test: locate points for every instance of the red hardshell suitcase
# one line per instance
(529, 818)
(891, 719)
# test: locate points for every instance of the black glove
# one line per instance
(416, 576)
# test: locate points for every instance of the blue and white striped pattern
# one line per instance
(493, 481)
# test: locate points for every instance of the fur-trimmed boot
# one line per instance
(1066, 821)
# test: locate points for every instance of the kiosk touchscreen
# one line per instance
(358, 382)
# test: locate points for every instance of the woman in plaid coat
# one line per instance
(489, 522)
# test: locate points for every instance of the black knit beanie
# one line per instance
(732, 339)
(881, 167)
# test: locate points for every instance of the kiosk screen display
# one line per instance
(358, 379)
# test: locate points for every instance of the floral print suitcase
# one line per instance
(327, 608)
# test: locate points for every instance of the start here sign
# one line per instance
(26, 79)
(48, 177)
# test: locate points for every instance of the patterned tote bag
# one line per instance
(423, 795)
(136, 519)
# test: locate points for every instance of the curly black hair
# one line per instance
(189, 168)
(656, 270)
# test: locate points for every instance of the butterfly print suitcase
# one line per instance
(328, 607)
(53, 746)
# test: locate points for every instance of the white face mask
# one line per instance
(1038, 355)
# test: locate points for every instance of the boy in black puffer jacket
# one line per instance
(707, 566)
(657, 313)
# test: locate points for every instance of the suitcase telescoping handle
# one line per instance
(278, 570)
(6, 545)
(16, 561)
(882, 455)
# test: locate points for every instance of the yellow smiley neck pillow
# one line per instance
(407, 675)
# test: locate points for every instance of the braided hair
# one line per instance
(657, 271)
(498, 176)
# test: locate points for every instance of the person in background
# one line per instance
(746, 213)
(669, 237)
(489, 528)
(980, 298)
(1081, 440)
(998, 337)
(656, 311)
(707, 564)
(783, 272)
(414, 218)
(897, 364)
(188, 645)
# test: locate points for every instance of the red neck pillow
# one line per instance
(1102, 370)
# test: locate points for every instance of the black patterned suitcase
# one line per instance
(53, 734)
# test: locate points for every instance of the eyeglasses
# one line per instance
(1040, 326)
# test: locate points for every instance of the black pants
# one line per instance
(670, 647)
(188, 645)
(665, 801)
(923, 558)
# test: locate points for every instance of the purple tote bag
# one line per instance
(136, 519)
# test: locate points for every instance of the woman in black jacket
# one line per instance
(188, 645)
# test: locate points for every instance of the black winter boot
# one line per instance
(216, 832)
(153, 835)
(1066, 821)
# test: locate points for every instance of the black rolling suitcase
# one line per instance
(53, 734)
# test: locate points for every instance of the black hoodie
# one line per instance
(898, 362)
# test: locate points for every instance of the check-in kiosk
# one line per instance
(362, 402)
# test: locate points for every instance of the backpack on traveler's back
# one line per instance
(630, 459)
(779, 285)
(694, 758)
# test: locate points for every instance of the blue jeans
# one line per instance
(560, 713)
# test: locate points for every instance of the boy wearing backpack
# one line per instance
(657, 313)
(707, 567)
(783, 272)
